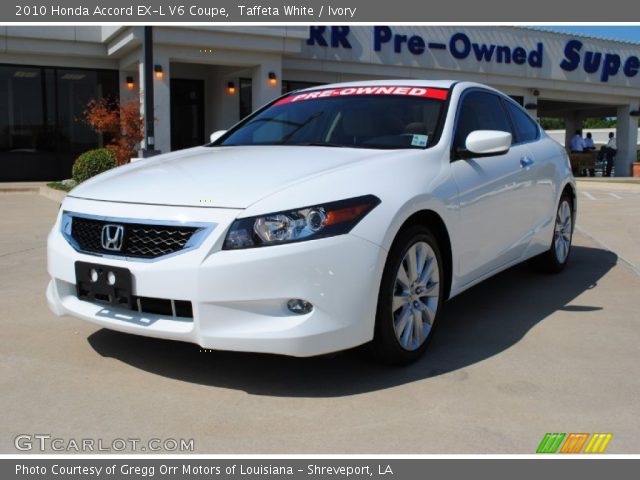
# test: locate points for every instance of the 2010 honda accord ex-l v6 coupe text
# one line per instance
(332, 217)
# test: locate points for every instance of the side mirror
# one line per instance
(216, 135)
(485, 143)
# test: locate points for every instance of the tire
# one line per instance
(555, 259)
(410, 297)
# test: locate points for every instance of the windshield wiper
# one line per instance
(274, 120)
(300, 126)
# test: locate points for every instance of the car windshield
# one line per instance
(359, 117)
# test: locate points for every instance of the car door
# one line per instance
(494, 220)
(540, 170)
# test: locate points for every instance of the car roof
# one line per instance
(408, 82)
(395, 82)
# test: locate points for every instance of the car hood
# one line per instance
(224, 177)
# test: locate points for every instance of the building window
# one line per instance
(526, 129)
(291, 85)
(518, 99)
(41, 111)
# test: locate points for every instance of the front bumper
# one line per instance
(239, 297)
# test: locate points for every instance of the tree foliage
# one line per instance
(552, 123)
(121, 121)
(606, 122)
(549, 123)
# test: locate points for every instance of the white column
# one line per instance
(162, 100)
(572, 122)
(127, 94)
(224, 107)
(627, 140)
(262, 91)
(140, 85)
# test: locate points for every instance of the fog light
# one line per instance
(94, 275)
(111, 278)
(296, 305)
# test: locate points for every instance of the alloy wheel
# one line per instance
(416, 295)
(563, 230)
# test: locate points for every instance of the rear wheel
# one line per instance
(555, 259)
(410, 297)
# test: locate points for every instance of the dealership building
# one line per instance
(205, 78)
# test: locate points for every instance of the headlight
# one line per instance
(326, 220)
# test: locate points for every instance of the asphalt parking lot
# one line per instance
(518, 356)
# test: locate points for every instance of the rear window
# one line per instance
(359, 117)
(526, 129)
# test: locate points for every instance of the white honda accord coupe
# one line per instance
(332, 217)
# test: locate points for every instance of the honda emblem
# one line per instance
(112, 237)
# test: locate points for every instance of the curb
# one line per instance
(34, 189)
(52, 194)
(619, 180)
(20, 189)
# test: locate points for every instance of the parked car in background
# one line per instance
(333, 217)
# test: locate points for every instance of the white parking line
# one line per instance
(588, 195)
(615, 195)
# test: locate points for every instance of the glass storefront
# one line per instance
(41, 119)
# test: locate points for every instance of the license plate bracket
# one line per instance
(104, 284)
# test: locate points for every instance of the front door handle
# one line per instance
(526, 162)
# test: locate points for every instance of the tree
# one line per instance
(549, 123)
(121, 121)
(606, 122)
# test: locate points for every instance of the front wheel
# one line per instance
(410, 296)
(555, 259)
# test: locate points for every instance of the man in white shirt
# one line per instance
(577, 143)
(610, 152)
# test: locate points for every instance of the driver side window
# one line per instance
(480, 111)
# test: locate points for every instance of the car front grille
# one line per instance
(138, 240)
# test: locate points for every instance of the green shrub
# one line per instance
(92, 163)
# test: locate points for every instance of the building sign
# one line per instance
(606, 64)
(462, 46)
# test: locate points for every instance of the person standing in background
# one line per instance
(577, 146)
(610, 153)
(588, 147)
